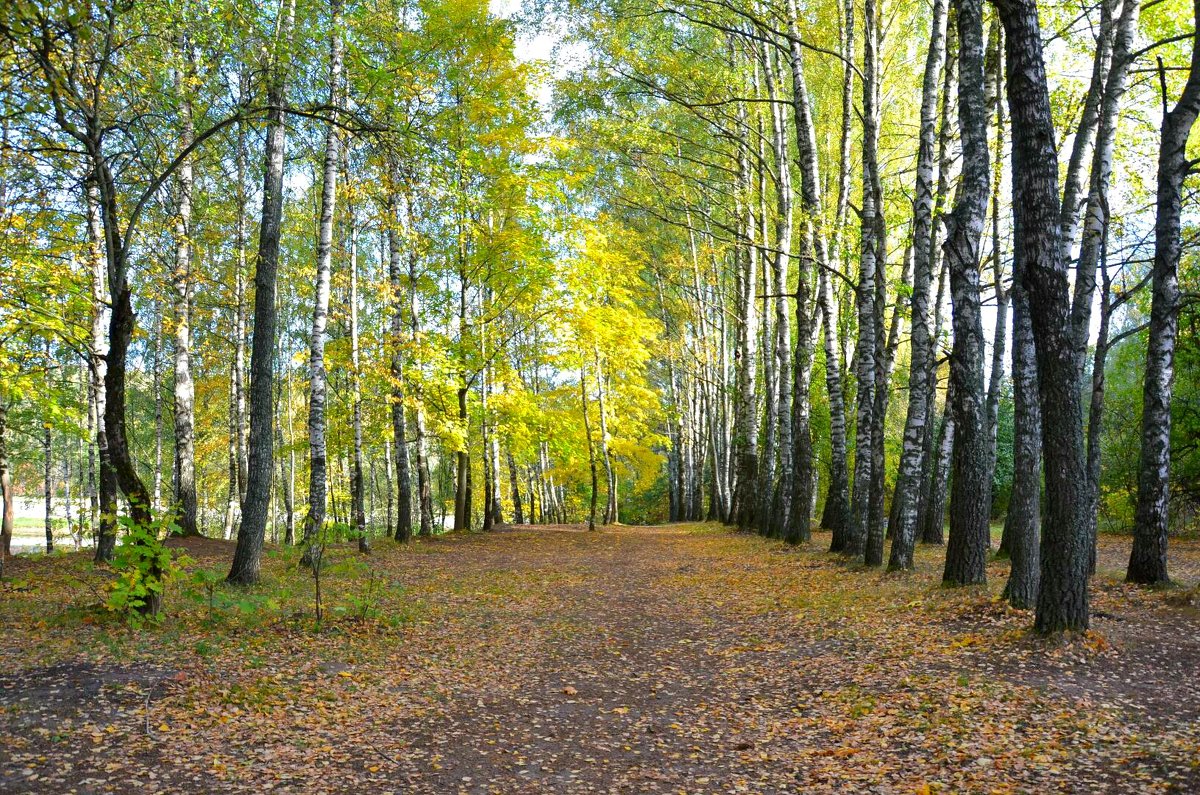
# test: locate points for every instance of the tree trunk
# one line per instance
(156, 390)
(1095, 423)
(867, 349)
(497, 507)
(1022, 525)
(93, 492)
(591, 448)
(106, 525)
(836, 515)
(775, 497)
(933, 526)
(905, 498)
(1091, 252)
(1002, 295)
(489, 493)
(515, 484)
(48, 460)
(247, 558)
(1119, 39)
(239, 298)
(610, 471)
(1040, 266)
(966, 552)
(462, 476)
(419, 443)
(6, 486)
(232, 499)
(66, 476)
(745, 441)
(931, 531)
(387, 482)
(1089, 119)
(288, 443)
(358, 508)
(231, 494)
(403, 529)
(314, 522)
(184, 480)
(1148, 558)
(814, 255)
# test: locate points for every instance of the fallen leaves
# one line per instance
(697, 662)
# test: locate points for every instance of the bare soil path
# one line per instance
(680, 659)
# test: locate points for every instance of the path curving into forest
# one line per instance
(626, 660)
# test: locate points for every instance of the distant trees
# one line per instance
(733, 271)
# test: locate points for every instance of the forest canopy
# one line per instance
(325, 271)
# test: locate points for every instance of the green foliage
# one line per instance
(645, 505)
(145, 567)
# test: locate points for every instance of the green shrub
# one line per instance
(144, 569)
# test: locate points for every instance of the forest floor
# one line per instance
(681, 659)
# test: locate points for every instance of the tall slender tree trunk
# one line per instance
(933, 526)
(6, 490)
(1148, 558)
(867, 349)
(231, 494)
(240, 329)
(419, 444)
(610, 471)
(462, 469)
(48, 458)
(966, 552)
(1041, 267)
(1002, 295)
(514, 482)
(247, 558)
(357, 485)
(814, 256)
(233, 498)
(591, 448)
(494, 456)
(318, 466)
(908, 483)
(238, 428)
(6, 485)
(287, 443)
(1089, 119)
(885, 347)
(403, 529)
(836, 515)
(156, 389)
(1095, 423)
(884, 363)
(1091, 249)
(489, 493)
(67, 507)
(928, 530)
(776, 501)
(1116, 42)
(91, 487)
(387, 481)
(184, 469)
(746, 426)
(1022, 524)
(106, 525)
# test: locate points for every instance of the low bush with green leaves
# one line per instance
(145, 566)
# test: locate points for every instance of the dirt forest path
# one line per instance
(678, 659)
